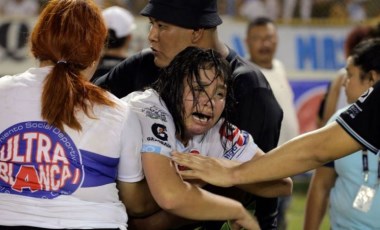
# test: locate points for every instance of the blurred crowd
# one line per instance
(304, 10)
(280, 11)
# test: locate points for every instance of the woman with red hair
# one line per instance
(54, 171)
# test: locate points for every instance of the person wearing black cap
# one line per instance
(121, 24)
(177, 24)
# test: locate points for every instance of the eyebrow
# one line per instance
(158, 21)
(219, 86)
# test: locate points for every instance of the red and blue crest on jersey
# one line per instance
(234, 138)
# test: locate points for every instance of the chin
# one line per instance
(199, 131)
(159, 63)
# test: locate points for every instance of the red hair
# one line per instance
(355, 36)
(72, 31)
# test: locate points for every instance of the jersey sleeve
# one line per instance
(130, 166)
(158, 131)
(362, 119)
(156, 123)
(229, 142)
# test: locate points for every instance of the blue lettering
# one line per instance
(319, 53)
(306, 51)
(329, 60)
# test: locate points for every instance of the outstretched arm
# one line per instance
(267, 189)
(299, 155)
(318, 197)
(183, 199)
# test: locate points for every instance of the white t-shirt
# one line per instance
(158, 132)
(55, 179)
(283, 93)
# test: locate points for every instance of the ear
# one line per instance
(95, 62)
(374, 77)
(196, 35)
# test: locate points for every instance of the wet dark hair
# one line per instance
(366, 55)
(187, 65)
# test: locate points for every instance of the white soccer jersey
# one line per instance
(158, 132)
(55, 179)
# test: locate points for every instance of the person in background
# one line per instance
(338, 184)
(357, 128)
(56, 173)
(356, 10)
(176, 25)
(20, 8)
(251, 9)
(305, 9)
(120, 23)
(103, 4)
(335, 97)
(261, 40)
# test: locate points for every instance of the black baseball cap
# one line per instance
(191, 14)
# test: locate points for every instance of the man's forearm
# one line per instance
(301, 154)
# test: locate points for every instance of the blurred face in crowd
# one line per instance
(167, 40)
(261, 41)
(204, 104)
(356, 82)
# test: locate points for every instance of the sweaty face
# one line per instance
(167, 40)
(262, 42)
(354, 85)
(205, 106)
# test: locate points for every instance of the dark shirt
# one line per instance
(259, 113)
(132, 74)
(362, 119)
(106, 63)
(257, 110)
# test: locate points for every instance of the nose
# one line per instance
(206, 100)
(266, 42)
(344, 80)
(152, 35)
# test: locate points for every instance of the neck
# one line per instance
(221, 48)
(211, 41)
(46, 63)
(184, 141)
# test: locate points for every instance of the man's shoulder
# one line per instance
(145, 55)
(248, 73)
(242, 67)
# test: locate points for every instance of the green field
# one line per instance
(296, 212)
